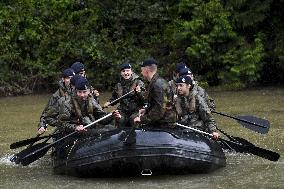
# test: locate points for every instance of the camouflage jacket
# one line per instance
(51, 111)
(160, 108)
(193, 110)
(173, 87)
(80, 112)
(201, 92)
(134, 101)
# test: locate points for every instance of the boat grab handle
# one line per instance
(146, 172)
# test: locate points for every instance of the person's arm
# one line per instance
(139, 95)
(53, 111)
(66, 117)
(44, 118)
(210, 101)
(205, 114)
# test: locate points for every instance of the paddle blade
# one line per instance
(25, 142)
(267, 154)
(18, 158)
(28, 159)
(247, 147)
(256, 124)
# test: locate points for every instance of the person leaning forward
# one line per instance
(82, 109)
(160, 110)
(191, 108)
(130, 105)
(51, 111)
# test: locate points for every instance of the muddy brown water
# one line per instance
(19, 118)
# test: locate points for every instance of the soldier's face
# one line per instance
(82, 73)
(67, 80)
(83, 94)
(126, 73)
(183, 89)
(144, 72)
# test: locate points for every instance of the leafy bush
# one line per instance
(39, 39)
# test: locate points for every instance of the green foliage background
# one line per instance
(233, 43)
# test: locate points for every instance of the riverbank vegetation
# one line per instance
(234, 43)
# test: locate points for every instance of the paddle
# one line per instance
(17, 157)
(130, 137)
(249, 147)
(29, 141)
(118, 99)
(250, 122)
(241, 145)
(38, 153)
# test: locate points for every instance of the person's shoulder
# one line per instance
(118, 83)
(201, 101)
(161, 83)
(161, 80)
(158, 81)
(66, 104)
(198, 88)
(56, 94)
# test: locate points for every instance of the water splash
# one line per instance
(5, 160)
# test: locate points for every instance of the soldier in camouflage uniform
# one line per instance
(130, 105)
(50, 112)
(160, 108)
(192, 109)
(79, 69)
(172, 83)
(73, 81)
(81, 110)
(201, 92)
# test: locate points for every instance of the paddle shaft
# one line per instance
(133, 127)
(70, 134)
(246, 147)
(211, 135)
(129, 133)
(118, 99)
(193, 129)
(239, 119)
(202, 132)
(226, 134)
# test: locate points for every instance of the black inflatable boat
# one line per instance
(132, 152)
